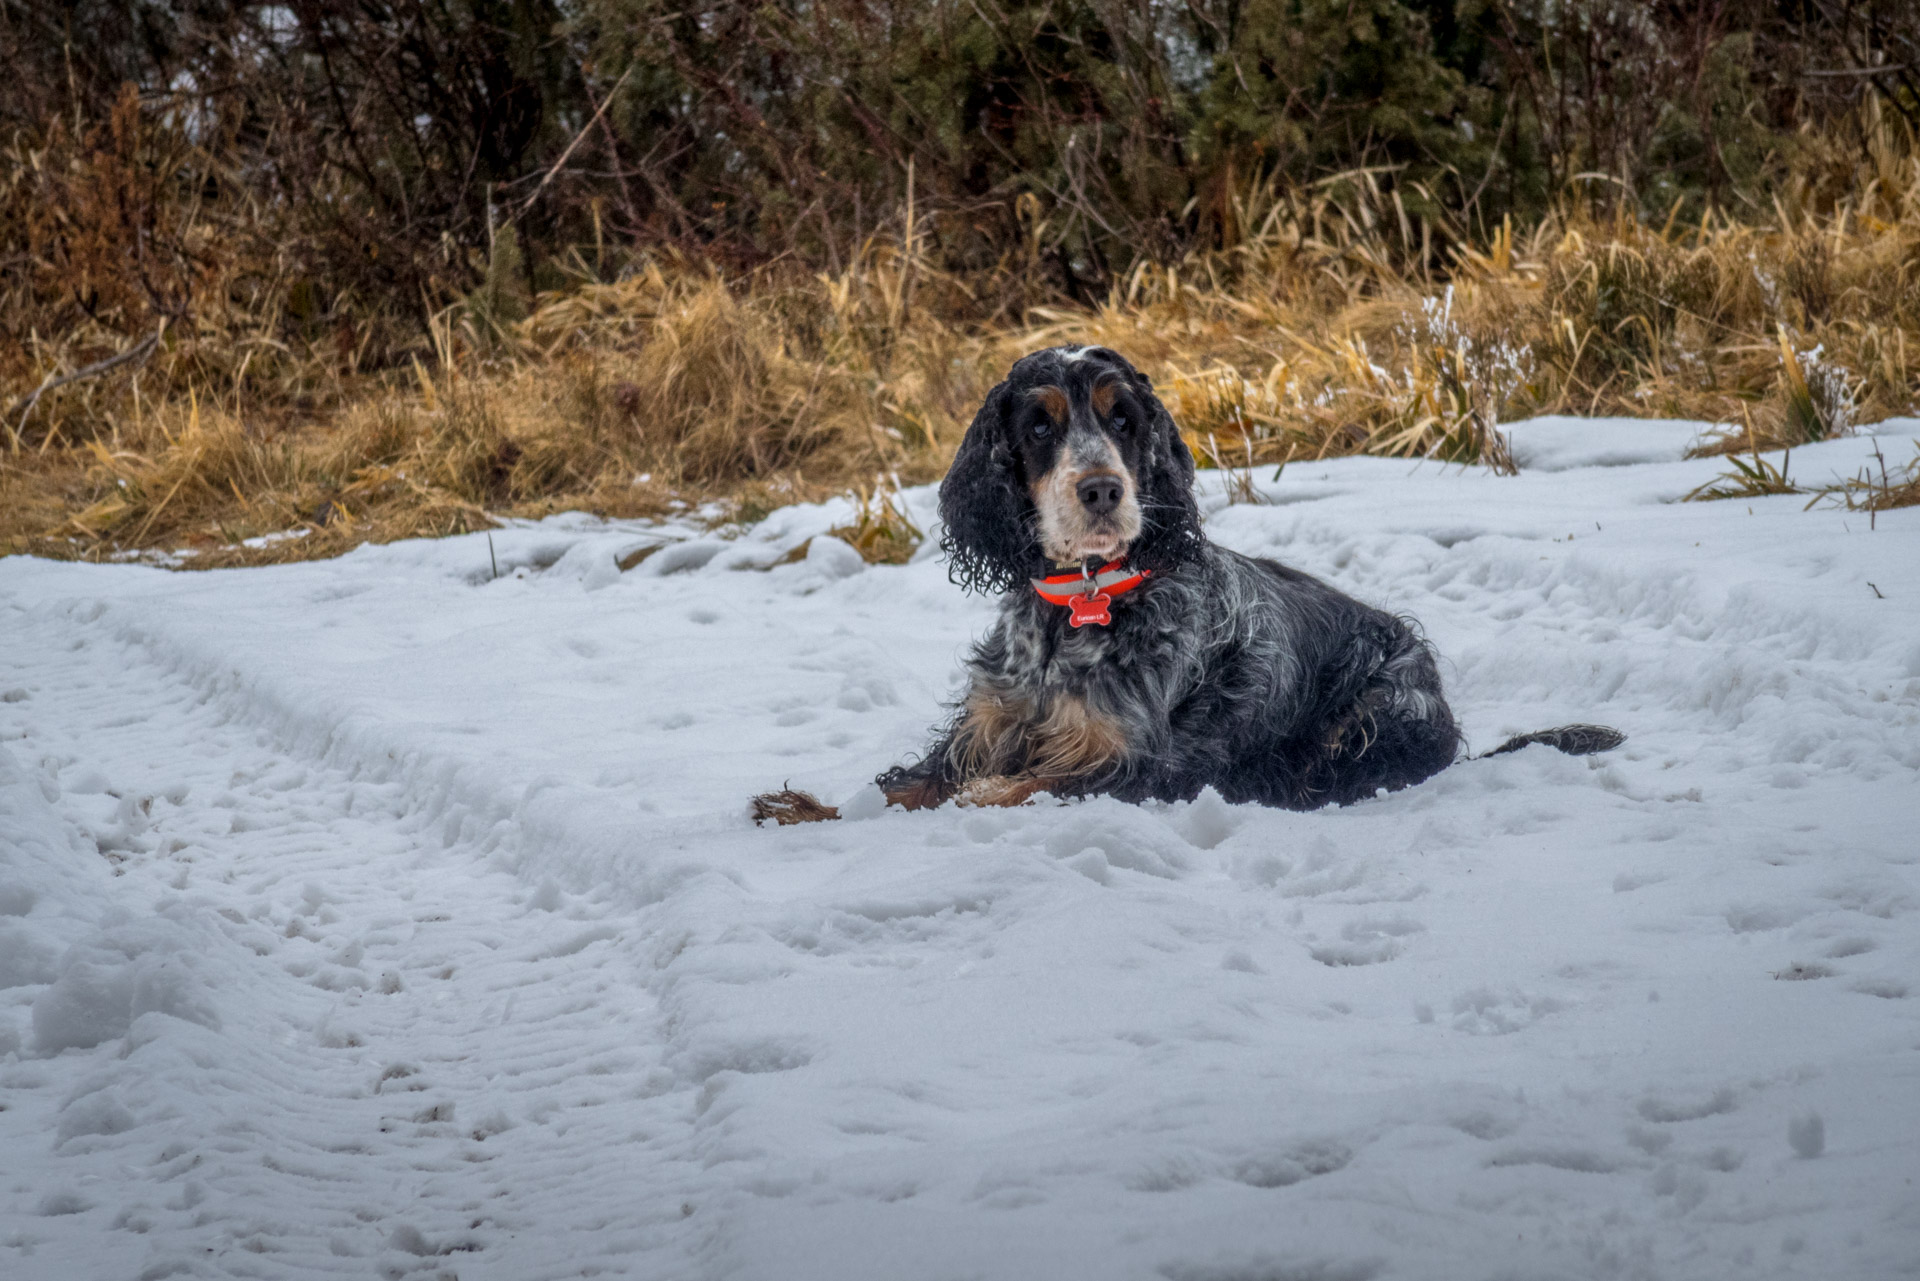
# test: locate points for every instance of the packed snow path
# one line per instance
(382, 917)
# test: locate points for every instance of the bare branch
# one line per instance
(24, 406)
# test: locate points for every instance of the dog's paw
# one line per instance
(1003, 790)
(1574, 740)
(787, 807)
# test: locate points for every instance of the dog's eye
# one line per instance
(1042, 425)
(1119, 422)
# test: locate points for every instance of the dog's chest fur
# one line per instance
(1054, 700)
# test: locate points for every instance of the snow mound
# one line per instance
(1556, 442)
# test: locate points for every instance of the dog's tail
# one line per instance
(1574, 740)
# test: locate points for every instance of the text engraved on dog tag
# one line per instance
(1090, 609)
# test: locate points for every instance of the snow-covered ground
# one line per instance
(381, 917)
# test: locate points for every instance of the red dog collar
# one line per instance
(1088, 595)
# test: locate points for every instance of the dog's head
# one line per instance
(1072, 458)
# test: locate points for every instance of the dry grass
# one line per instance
(1878, 488)
(881, 531)
(670, 386)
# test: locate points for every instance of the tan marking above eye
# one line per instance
(1053, 400)
(1106, 393)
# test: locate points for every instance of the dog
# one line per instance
(1134, 658)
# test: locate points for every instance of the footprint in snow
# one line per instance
(1295, 1165)
(1367, 941)
(1485, 1012)
(1801, 971)
(1667, 1111)
(1266, 1267)
(1574, 1159)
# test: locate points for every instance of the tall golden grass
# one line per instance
(671, 385)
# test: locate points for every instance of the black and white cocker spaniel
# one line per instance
(1132, 657)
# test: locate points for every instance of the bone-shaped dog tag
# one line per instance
(1090, 609)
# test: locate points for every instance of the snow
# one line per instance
(1556, 442)
(391, 916)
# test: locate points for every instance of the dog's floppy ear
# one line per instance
(1170, 519)
(989, 542)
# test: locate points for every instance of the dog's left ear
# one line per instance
(989, 541)
(1170, 518)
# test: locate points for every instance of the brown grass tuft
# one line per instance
(881, 532)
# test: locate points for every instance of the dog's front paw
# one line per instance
(1002, 790)
(787, 807)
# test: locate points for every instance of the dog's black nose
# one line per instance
(1099, 494)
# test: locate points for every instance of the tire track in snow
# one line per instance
(366, 1121)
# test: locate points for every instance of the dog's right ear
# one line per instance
(990, 541)
(1170, 535)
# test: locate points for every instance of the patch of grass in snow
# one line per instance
(1872, 489)
(881, 532)
(1877, 489)
(1751, 477)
